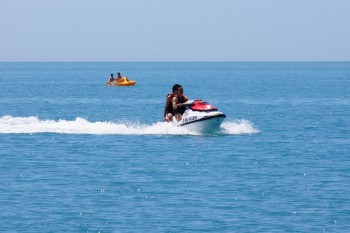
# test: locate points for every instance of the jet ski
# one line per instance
(200, 116)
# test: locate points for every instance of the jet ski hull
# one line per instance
(203, 122)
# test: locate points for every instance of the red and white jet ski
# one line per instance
(200, 116)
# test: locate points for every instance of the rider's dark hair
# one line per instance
(176, 87)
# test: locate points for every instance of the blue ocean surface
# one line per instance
(79, 156)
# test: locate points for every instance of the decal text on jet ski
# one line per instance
(189, 119)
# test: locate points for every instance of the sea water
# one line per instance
(79, 156)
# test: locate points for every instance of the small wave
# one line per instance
(9, 124)
(239, 127)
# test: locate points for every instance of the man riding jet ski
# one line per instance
(173, 103)
(195, 115)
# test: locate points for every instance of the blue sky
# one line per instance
(178, 30)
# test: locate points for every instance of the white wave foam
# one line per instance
(9, 124)
(239, 127)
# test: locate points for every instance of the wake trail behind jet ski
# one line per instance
(31, 125)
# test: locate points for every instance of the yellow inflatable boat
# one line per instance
(124, 81)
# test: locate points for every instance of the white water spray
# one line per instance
(10, 124)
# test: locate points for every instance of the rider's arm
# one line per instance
(176, 103)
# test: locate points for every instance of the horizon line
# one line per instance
(243, 61)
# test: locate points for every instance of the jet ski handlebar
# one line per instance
(188, 103)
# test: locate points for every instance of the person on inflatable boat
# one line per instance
(119, 77)
(173, 104)
(111, 79)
